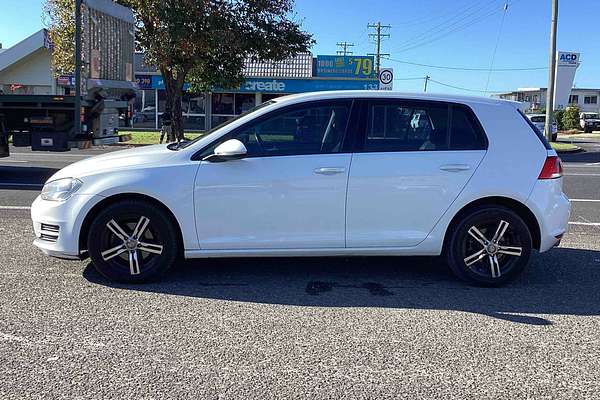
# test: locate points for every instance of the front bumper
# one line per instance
(57, 225)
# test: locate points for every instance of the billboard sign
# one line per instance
(361, 67)
(567, 63)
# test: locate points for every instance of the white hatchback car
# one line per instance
(320, 174)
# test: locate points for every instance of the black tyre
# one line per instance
(489, 247)
(132, 241)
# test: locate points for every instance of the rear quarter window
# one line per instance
(535, 130)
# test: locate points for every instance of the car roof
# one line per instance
(387, 94)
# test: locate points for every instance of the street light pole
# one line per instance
(77, 113)
(552, 72)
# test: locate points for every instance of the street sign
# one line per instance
(386, 79)
(361, 67)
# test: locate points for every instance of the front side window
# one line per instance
(311, 129)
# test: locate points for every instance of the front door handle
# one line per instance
(455, 167)
(329, 170)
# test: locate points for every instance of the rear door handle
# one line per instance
(329, 170)
(455, 167)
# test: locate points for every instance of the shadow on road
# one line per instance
(24, 178)
(562, 281)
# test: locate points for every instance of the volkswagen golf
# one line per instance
(320, 174)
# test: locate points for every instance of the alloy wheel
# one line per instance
(492, 249)
(131, 243)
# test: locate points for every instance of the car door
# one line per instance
(290, 190)
(412, 161)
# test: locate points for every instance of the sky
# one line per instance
(451, 33)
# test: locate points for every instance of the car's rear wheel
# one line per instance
(132, 241)
(490, 246)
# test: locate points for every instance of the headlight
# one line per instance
(60, 189)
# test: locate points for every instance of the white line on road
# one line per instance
(585, 223)
(15, 208)
(13, 161)
(584, 200)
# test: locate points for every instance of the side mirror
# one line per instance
(232, 149)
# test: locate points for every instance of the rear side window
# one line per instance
(535, 130)
(394, 126)
(405, 127)
(466, 133)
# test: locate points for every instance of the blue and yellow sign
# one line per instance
(345, 66)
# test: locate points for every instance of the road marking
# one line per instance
(15, 208)
(585, 223)
(593, 163)
(584, 200)
(14, 161)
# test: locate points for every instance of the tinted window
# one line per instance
(538, 119)
(405, 127)
(465, 133)
(312, 129)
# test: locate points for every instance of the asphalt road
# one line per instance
(301, 328)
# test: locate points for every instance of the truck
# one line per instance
(104, 85)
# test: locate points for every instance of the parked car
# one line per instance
(145, 114)
(539, 120)
(320, 174)
(589, 121)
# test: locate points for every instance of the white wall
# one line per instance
(33, 70)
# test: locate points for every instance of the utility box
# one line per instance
(49, 141)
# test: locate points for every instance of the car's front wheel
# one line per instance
(132, 241)
(490, 246)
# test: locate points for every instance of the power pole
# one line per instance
(378, 36)
(77, 112)
(344, 48)
(552, 72)
(427, 77)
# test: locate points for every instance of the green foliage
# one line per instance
(59, 18)
(570, 118)
(203, 42)
(558, 117)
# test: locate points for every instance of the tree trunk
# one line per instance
(174, 91)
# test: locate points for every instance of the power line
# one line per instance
(469, 20)
(487, 84)
(409, 79)
(455, 68)
(378, 36)
(344, 48)
(463, 88)
(455, 18)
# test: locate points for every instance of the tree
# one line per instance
(570, 118)
(59, 17)
(205, 42)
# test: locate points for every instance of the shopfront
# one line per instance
(202, 111)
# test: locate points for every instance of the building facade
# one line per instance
(588, 100)
(264, 81)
